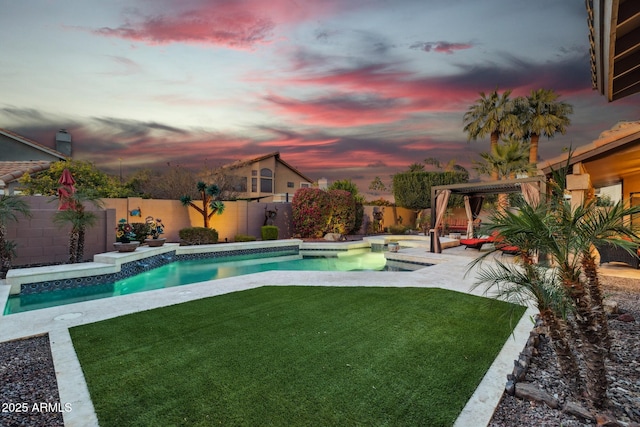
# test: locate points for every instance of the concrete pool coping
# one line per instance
(448, 272)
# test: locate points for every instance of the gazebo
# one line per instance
(474, 194)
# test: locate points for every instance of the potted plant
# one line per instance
(124, 234)
(156, 228)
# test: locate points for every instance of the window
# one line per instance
(305, 185)
(289, 184)
(254, 173)
(266, 180)
(254, 185)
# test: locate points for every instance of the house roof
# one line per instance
(276, 154)
(12, 171)
(26, 141)
(609, 159)
(614, 37)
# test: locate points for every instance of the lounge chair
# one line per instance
(613, 253)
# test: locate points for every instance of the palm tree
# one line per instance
(80, 219)
(492, 115)
(566, 236)
(504, 162)
(10, 207)
(543, 114)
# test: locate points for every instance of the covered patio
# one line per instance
(474, 194)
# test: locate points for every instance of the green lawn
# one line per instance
(294, 356)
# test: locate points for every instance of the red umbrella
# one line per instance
(66, 191)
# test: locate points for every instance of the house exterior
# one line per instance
(612, 159)
(20, 155)
(266, 177)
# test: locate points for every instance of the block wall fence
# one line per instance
(40, 241)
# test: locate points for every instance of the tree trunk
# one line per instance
(73, 245)
(590, 270)
(80, 244)
(495, 136)
(593, 350)
(533, 149)
(566, 358)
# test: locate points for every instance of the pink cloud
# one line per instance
(341, 110)
(237, 24)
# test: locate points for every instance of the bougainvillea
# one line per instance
(316, 212)
(343, 212)
(311, 211)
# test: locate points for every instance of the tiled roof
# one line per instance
(12, 171)
(32, 143)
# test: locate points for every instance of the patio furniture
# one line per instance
(613, 253)
(476, 243)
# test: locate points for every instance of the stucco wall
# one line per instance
(40, 241)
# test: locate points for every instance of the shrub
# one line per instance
(198, 236)
(269, 232)
(243, 238)
(397, 229)
(343, 212)
(311, 209)
(140, 231)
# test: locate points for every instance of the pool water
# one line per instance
(186, 272)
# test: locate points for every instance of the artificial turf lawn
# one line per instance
(288, 356)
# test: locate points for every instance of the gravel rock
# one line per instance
(28, 387)
(623, 372)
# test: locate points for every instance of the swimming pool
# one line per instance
(195, 271)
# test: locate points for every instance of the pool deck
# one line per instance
(450, 271)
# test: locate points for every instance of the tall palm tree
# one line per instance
(79, 218)
(543, 114)
(10, 207)
(492, 115)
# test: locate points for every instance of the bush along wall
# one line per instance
(198, 236)
(317, 212)
(311, 208)
(343, 212)
(269, 232)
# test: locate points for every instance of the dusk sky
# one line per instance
(342, 88)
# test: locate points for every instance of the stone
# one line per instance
(610, 307)
(606, 420)
(578, 410)
(626, 317)
(532, 393)
(333, 237)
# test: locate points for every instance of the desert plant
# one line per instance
(269, 232)
(198, 236)
(140, 231)
(211, 204)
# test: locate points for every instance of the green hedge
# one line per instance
(269, 232)
(243, 238)
(198, 236)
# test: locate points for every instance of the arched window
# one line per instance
(266, 180)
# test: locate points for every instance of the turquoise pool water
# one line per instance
(186, 272)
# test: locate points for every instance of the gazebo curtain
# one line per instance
(530, 193)
(442, 199)
(467, 208)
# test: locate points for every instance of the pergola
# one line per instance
(474, 193)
